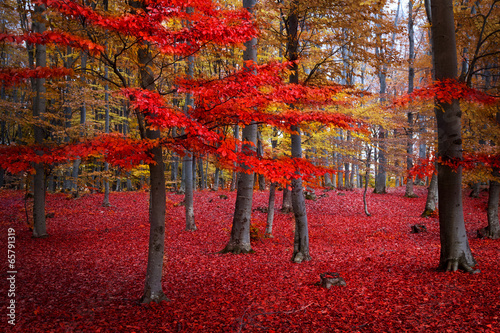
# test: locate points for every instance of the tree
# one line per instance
(39, 107)
(455, 250)
(301, 238)
(239, 241)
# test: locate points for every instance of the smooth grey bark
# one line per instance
(83, 119)
(105, 202)
(455, 251)
(239, 241)
(301, 238)
(367, 178)
(39, 108)
(432, 196)
(153, 290)
(216, 179)
(187, 162)
(381, 176)
(411, 77)
(260, 153)
(492, 230)
(272, 193)
(202, 184)
(234, 178)
(286, 206)
(270, 210)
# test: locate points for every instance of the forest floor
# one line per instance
(89, 274)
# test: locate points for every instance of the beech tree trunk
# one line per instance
(187, 162)
(240, 231)
(493, 229)
(455, 250)
(270, 210)
(187, 171)
(286, 206)
(153, 290)
(301, 239)
(411, 76)
(432, 196)
(381, 176)
(234, 178)
(39, 108)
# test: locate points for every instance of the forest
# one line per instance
(243, 166)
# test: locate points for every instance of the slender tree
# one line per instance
(240, 231)
(301, 238)
(411, 78)
(39, 108)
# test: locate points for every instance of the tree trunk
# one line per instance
(380, 178)
(411, 77)
(455, 250)
(493, 229)
(301, 239)
(153, 290)
(234, 178)
(432, 196)
(39, 108)
(270, 210)
(476, 187)
(286, 206)
(105, 202)
(187, 163)
(367, 178)
(240, 231)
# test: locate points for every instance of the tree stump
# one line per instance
(418, 228)
(329, 279)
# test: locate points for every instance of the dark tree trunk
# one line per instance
(286, 206)
(367, 178)
(105, 202)
(432, 197)
(234, 178)
(455, 250)
(301, 239)
(493, 229)
(187, 163)
(39, 108)
(240, 231)
(260, 154)
(411, 76)
(272, 192)
(380, 178)
(270, 210)
(476, 187)
(153, 290)
(216, 179)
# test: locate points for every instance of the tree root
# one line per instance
(236, 250)
(428, 213)
(487, 233)
(299, 257)
(453, 265)
(153, 297)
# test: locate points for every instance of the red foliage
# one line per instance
(88, 275)
(54, 37)
(444, 92)
(207, 23)
(116, 149)
(11, 76)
